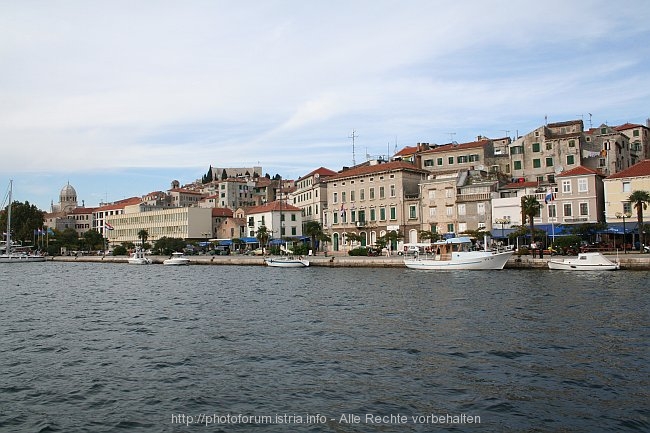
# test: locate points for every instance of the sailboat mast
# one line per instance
(8, 244)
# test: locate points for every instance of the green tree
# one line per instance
(313, 229)
(429, 235)
(143, 235)
(530, 208)
(68, 239)
(93, 239)
(167, 245)
(263, 235)
(640, 200)
(25, 218)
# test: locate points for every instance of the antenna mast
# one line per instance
(353, 136)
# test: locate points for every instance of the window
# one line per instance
(352, 195)
(549, 145)
(433, 212)
(584, 209)
(450, 160)
(450, 211)
(392, 191)
(549, 162)
(627, 207)
(362, 194)
(582, 185)
(393, 213)
(570, 159)
(517, 150)
(439, 161)
(382, 192)
(461, 159)
(382, 214)
(552, 211)
(448, 193)
(473, 158)
(450, 228)
(336, 197)
(462, 227)
(373, 216)
(566, 186)
(461, 209)
(627, 187)
(567, 209)
(480, 208)
(536, 147)
(353, 215)
(572, 143)
(413, 213)
(537, 163)
(293, 217)
(343, 197)
(336, 217)
(517, 165)
(432, 194)
(635, 133)
(428, 162)
(372, 193)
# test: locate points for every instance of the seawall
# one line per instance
(632, 261)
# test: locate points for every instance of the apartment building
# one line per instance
(371, 200)
(579, 198)
(639, 136)
(189, 222)
(608, 150)
(310, 194)
(617, 190)
(281, 220)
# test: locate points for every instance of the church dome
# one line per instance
(68, 193)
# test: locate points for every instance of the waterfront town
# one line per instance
(578, 176)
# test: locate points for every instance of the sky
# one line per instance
(119, 98)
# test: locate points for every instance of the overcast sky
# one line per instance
(121, 97)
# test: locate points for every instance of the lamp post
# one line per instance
(623, 215)
(502, 221)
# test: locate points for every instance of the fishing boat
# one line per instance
(593, 261)
(11, 254)
(138, 257)
(457, 254)
(177, 259)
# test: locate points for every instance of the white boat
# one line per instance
(177, 259)
(286, 262)
(138, 257)
(456, 254)
(11, 255)
(584, 262)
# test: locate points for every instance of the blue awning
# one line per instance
(226, 242)
(250, 240)
(552, 229)
(277, 241)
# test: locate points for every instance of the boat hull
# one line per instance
(584, 262)
(286, 263)
(139, 261)
(20, 258)
(176, 262)
(471, 260)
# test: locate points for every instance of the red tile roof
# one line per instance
(121, 204)
(222, 212)
(363, 170)
(273, 207)
(578, 171)
(407, 151)
(627, 126)
(321, 171)
(637, 170)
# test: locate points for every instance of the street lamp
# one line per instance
(502, 221)
(623, 215)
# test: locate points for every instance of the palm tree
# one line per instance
(143, 235)
(312, 229)
(640, 200)
(530, 207)
(262, 235)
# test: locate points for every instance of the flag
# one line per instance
(549, 196)
(50, 231)
(342, 210)
(108, 226)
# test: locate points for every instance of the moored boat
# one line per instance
(593, 261)
(11, 253)
(286, 262)
(457, 254)
(138, 257)
(177, 259)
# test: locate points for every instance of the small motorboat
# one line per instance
(584, 262)
(177, 259)
(138, 257)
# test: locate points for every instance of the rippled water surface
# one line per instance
(112, 347)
